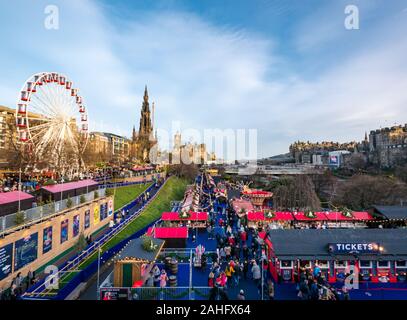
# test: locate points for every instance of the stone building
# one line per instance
(388, 146)
(144, 140)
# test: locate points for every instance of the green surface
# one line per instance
(173, 190)
(124, 195)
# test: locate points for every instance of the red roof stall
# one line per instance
(9, 202)
(174, 237)
(278, 216)
(361, 215)
(337, 216)
(68, 190)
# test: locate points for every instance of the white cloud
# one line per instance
(207, 76)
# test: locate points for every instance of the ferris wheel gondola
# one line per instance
(51, 118)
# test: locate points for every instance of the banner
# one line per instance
(110, 207)
(64, 230)
(47, 240)
(96, 216)
(115, 294)
(103, 211)
(76, 225)
(25, 251)
(6, 254)
(87, 219)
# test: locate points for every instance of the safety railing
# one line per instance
(157, 293)
(93, 248)
(15, 221)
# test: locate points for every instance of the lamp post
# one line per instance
(98, 275)
(19, 190)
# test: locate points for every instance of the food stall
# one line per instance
(379, 254)
(175, 237)
(192, 219)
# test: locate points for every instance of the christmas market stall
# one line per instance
(67, 190)
(390, 216)
(175, 237)
(10, 202)
(190, 219)
(135, 261)
(274, 219)
(380, 255)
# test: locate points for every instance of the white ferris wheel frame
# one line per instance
(39, 80)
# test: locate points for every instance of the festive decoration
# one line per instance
(148, 244)
(347, 214)
(269, 214)
(184, 215)
(311, 215)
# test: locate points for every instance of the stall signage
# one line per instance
(344, 248)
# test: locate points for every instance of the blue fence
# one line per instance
(87, 272)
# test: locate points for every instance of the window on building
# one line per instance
(286, 263)
(365, 264)
(323, 264)
(341, 264)
(401, 264)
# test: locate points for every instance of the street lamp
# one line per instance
(98, 275)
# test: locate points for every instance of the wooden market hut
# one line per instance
(9, 202)
(134, 263)
(390, 216)
(68, 190)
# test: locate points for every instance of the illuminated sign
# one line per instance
(344, 248)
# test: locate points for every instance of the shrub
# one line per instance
(19, 218)
(96, 194)
(109, 192)
(82, 199)
(69, 203)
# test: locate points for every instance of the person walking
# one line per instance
(256, 273)
(163, 279)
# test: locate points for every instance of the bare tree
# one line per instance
(296, 193)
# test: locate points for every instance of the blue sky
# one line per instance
(288, 68)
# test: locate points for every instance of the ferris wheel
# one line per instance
(52, 121)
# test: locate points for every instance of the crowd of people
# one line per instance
(313, 286)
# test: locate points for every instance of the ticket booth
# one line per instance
(400, 270)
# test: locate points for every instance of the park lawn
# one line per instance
(124, 195)
(173, 190)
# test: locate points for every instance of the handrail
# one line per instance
(97, 244)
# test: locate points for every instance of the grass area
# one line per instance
(173, 190)
(124, 195)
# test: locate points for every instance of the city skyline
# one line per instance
(272, 64)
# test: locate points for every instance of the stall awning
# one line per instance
(194, 216)
(337, 216)
(362, 216)
(278, 216)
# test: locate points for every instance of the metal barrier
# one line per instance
(166, 293)
(37, 214)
